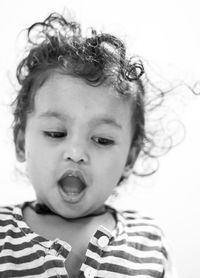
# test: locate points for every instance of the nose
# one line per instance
(75, 152)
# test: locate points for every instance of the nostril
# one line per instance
(76, 152)
(75, 158)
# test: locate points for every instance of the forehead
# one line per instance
(69, 95)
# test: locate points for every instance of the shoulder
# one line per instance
(134, 219)
(143, 230)
(12, 227)
(141, 240)
(9, 216)
(6, 212)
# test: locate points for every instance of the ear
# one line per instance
(20, 146)
(132, 156)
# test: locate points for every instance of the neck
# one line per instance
(40, 208)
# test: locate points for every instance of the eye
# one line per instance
(103, 141)
(55, 134)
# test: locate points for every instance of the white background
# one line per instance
(166, 33)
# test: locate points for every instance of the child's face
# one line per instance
(77, 142)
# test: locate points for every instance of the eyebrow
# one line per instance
(52, 114)
(106, 121)
(95, 121)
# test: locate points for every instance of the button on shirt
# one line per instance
(135, 249)
(89, 272)
(103, 241)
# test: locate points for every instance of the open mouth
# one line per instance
(72, 187)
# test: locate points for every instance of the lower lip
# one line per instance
(71, 198)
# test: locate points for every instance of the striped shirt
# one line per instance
(136, 248)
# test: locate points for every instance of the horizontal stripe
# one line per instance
(132, 258)
(141, 238)
(137, 251)
(42, 263)
(6, 222)
(22, 273)
(8, 249)
(23, 258)
(12, 234)
(38, 272)
(127, 271)
(138, 246)
(24, 265)
(6, 210)
(16, 247)
(18, 238)
(108, 274)
(147, 229)
(134, 245)
(123, 255)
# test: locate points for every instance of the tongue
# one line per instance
(72, 185)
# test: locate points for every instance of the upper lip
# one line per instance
(74, 173)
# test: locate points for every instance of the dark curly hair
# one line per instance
(98, 58)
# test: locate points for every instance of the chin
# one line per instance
(70, 213)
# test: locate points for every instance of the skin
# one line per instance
(78, 127)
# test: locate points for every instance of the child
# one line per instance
(79, 123)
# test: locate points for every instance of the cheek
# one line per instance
(40, 171)
(35, 148)
(112, 165)
(38, 160)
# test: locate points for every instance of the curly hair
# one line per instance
(98, 58)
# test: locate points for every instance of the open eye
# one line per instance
(55, 134)
(103, 141)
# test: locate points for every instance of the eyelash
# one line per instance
(98, 140)
(103, 141)
(55, 134)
